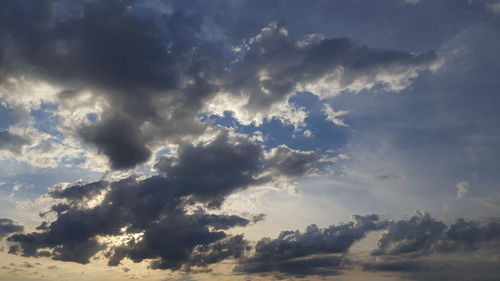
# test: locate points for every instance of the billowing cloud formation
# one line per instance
(155, 222)
(8, 226)
(274, 66)
(154, 76)
(152, 79)
(400, 248)
(300, 253)
(145, 80)
(423, 235)
(153, 214)
(213, 171)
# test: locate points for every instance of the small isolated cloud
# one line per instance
(308, 133)
(463, 187)
(333, 116)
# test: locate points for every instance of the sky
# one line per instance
(249, 140)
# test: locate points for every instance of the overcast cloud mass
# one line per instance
(249, 140)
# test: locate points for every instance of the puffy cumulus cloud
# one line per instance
(12, 142)
(212, 171)
(146, 70)
(423, 235)
(150, 219)
(8, 226)
(314, 251)
(163, 218)
(414, 247)
(147, 79)
(274, 66)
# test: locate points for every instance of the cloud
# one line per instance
(212, 171)
(120, 140)
(301, 253)
(155, 215)
(494, 7)
(332, 115)
(8, 226)
(150, 218)
(412, 2)
(149, 91)
(463, 187)
(397, 266)
(423, 235)
(148, 79)
(291, 163)
(77, 193)
(12, 142)
(405, 246)
(274, 66)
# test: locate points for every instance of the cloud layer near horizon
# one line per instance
(157, 208)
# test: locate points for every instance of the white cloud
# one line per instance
(463, 187)
(333, 116)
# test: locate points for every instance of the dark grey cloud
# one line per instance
(405, 247)
(153, 206)
(120, 140)
(297, 253)
(157, 72)
(155, 209)
(78, 192)
(77, 251)
(12, 142)
(146, 68)
(423, 235)
(292, 163)
(163, 232)
(8, 226)
(211, 171)
(180, 243)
